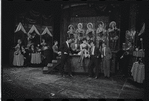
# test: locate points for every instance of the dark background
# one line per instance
(10, 9)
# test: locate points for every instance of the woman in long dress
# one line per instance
(32, 53)
(71, 31)
(18, 59)
(80, 33)
(113, 35)
(100, 32)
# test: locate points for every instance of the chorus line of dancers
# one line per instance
(32, 53)
(101, 33)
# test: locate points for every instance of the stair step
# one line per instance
(58, 57)
(45, 69)
(54, 61)
(50, 65)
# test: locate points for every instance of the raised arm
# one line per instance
(81, 47)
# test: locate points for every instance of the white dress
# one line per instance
(18, 59)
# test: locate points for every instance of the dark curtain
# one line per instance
(20, 35)
(64, 26)
(36, 39)
(47, 38)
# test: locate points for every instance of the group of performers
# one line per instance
(97, 45)
(32, 53)
(79, 42)
(110, 35)
(95, 53)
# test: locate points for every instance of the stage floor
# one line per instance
(28, 82)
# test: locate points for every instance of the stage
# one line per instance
(29, 82)
(76, 65)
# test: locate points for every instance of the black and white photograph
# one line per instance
(73, 49)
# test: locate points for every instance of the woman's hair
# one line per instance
(101, 23)
(84, 39)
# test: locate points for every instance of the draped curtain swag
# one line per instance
(46, 30)
(33, 28)
(20, 27)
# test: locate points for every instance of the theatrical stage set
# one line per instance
(91, 40)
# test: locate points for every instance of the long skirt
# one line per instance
(18, 60)
(35, 58)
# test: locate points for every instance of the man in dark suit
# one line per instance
(65, 58)
(106, 55)
(95, 60)
(127, 60)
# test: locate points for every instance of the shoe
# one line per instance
(96, 77)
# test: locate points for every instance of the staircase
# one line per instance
(51, 66)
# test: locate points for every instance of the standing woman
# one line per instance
(113, 36)
(32, 54)
(100, 31)
(106, 55)
(55, 49)
(18, 59)
(71, 32)
(80, 32)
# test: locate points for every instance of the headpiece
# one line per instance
(89, 24)
(71, 26)
(112, 23)
(101, 23)
(80, 24)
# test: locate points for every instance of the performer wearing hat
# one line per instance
(90, 32)
(71, 31)
(106, 55)
(80, 32)
(113, 35)
(100, 31)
